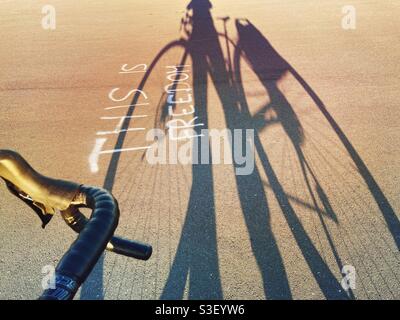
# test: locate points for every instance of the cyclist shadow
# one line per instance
(207, 58)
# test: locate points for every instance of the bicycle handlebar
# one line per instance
(134, 249)
(46, 196)
(84, 252)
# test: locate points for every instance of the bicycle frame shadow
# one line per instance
(197, 255)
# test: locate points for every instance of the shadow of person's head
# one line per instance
(199, 5)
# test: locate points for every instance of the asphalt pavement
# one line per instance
(320, 97)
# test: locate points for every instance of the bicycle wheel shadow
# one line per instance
(269, 67)
(261, 55)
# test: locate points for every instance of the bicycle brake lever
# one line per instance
(43, 195)
(44, 214)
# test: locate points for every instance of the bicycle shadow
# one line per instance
(269, 67)
(197, 256)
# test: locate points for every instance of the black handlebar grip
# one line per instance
(130, 248)
(134, 249)
(85, 251)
